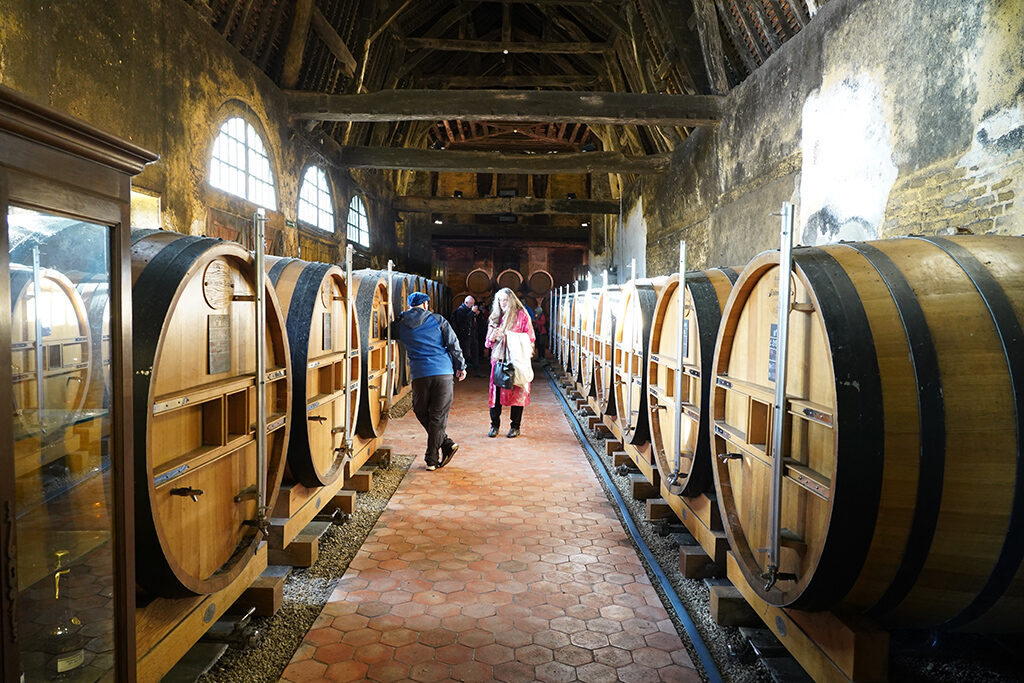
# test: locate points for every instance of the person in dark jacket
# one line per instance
(434, 356)
(464, 322)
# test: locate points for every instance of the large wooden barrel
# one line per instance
(64, 352)
(607, 307)
(510, 278)
(540, 283)
(399, 297)
(629, 361)
(313, 303)
(586, 311)
(567, 300)
(478, 282)
(95, 294)
(581, 347)
(903, 488)
(705, 295)
(378, 378)
(194, 356)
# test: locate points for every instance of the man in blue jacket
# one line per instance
(434, 356)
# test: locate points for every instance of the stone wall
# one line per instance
(881, 118)
(155, 73)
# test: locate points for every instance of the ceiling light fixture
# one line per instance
(504, 52)
(584, 224)
(438, 221)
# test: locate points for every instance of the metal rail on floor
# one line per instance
(691, 629)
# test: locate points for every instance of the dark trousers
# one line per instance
(431, 401)
(516, 412)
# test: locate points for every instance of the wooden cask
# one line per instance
(629, 358)
(399, 297)
(313, 302)
(540, 283)
(478, 282)
(378, 377)
(586, 311)
(706, 292)
(903, 490)
(66, 351)
(607, 308)
(510, 278)
(565, 329)
(194, 355)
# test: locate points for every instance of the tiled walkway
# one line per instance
(509, 564)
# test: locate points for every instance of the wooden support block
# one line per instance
(346, 500)
(641, 488)
(266, 593)
(612, 445)
(167, 628)
(304, 549)
(828, 647)
(657, 508)
(729, 608)
(360, 481)
(695, 563)
(620, 458)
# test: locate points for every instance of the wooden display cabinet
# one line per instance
(67, 580)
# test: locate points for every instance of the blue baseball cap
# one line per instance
(417, 298)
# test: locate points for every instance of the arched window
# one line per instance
(315, 205)
(240, 164)
(358, 225)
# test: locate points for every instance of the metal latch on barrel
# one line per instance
(167, 476)
(169, 405)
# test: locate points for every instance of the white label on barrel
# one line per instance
(327, 341)
(686, 338)
(773, 352)
(218, 343)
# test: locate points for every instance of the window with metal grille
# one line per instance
(358, 225)
(240, 164)
(315, 207)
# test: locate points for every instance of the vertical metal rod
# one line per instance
(779, 416)
(628, 346)
(349, 317)
(388, 360)
(677, 437)
(37, 288)
(259, 284)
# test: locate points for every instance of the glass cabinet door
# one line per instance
(61, 385)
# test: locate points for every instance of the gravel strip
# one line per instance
(307, 590)
(695, 596)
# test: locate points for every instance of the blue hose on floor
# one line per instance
(691, 629)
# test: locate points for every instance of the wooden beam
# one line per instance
(766, 25)
(783, 22)
(333, 41)
(729, 21)
(496, 46)
(510, 105)
(296, 43)
(519, 205)
(522, 82)
(711, 45)
(494, 162)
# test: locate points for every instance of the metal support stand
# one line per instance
(677, 438)
(389, 375)
(259, 284)
(771, 574)
(349, 317)
(37, 288)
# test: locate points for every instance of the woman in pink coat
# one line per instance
(507, 315)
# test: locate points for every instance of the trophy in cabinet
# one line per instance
(65, 644)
